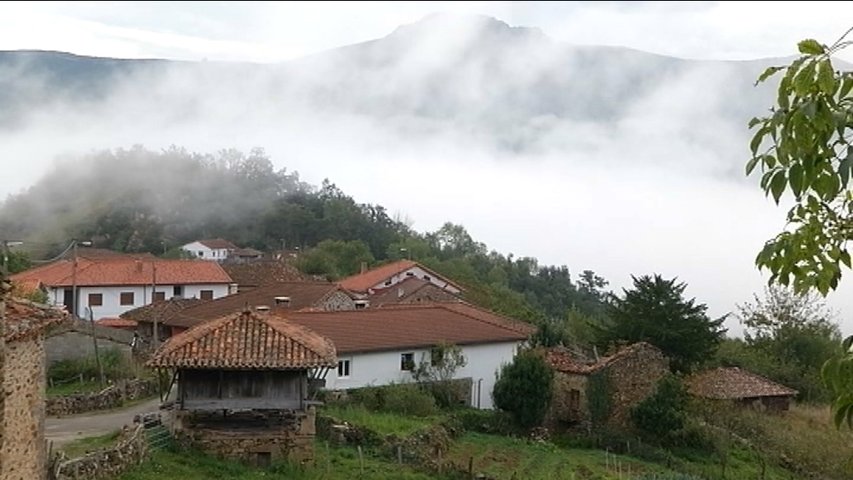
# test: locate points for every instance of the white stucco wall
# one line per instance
(383, 368)
(416, 272)
(204, 252)
(111, 297)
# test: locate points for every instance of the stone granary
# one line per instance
(741, 386)
(243, 386)
(23, 455)
(603, 392)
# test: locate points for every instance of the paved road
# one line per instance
(65, 429)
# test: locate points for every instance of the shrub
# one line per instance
(494, 422)
(663, 413)
(404, 398)
(524, 388)
(116, 366)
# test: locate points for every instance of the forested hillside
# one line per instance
(139, 200)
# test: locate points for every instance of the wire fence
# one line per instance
(157, 434)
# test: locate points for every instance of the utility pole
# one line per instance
(155, 339)
(74, 281)
(95, 343)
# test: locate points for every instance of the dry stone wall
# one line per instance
(130, 450)
(110, 397)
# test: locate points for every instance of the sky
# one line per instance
(579, 202)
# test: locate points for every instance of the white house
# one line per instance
(215, 249)
(385, 276)
(381, 346)
(110, 286)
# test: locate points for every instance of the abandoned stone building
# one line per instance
(603, 391)
(242, 386)
(23, 455)
(741, 386)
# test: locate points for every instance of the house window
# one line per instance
(206, 295)
(388, 282)
(125, 298)
(178, 291)
(426, 277)
(343, 368)
(159, 296)
(96, 299)
(200, 254)
(407, 361)
(410, 274)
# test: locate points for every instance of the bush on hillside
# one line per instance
(404, 398)
(115, 364)
(663, 413)
(524, 388)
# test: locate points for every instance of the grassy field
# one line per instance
(380, 422)
(331, 463)
(74, 387)
(82, 446)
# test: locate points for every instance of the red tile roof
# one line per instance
(262, 272)
(105, 271)
(362, 282)
(567, 362)
(399, 292)
(116, 322)
(246, 340)
(302, 295)
(25, 319)
(410, 326)
(218, 243)
(162, 311)
(733, 383)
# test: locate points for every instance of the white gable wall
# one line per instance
(204, 252)
(420, 273)
(383, 368)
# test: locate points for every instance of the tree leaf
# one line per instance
(845, 259)
(750, 165)
(845, 167)
(810, 46)
(795, 175)
(777, 185)
(826, 77)
(767, 73)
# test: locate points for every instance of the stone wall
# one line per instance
(633, 378)
(23, 448)
(110, 397)
(560, 411)
(253, 438)
(337, 301)
(130, 450)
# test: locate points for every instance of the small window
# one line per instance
(200, 253)
(178, 291)
(426, 277)
(159, 296)
(407, 362)
(126, 298)
(343, 368)
(574, 400)
(96, 299)
(264, 459)
(206, 295)
(410, 274)
(387, 282)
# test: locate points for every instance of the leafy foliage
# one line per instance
(335, 258)
(524, 388)
(664, 412)
(655, 311)
(435, 372)
(599, 397)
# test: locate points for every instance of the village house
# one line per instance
(112, 285)
(369, 282)
(740, 386)
(214, 249)
(23, 454)
(411, 290)
(178, 315)
(603, 391)
(242, 386)
(249, 275)
(383, 346)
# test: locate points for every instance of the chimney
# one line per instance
(282, 301)
(139, 266)
(363, 267)
(233, 288)
(361, 304)
(400, 292)
(262, 308)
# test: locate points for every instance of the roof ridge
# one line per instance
(445, 305)
(302, 331)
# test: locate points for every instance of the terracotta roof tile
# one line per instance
(399, 292)
(410, 326)
(262, 272)
(734, 383)
(116, 322)
(218, 243)
(162, 311)
(246, 340)
(362, 282)
(302, 295)
(125, 270)
(25, 319)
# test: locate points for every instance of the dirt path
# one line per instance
(65, 429)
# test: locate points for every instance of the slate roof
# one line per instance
(124, 270)
(302, 295)
(733, 383)
(362, 282)
(25, 319)
(411, 326)
(567, 362)
(246, 340)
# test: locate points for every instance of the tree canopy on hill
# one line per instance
(138, 200)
